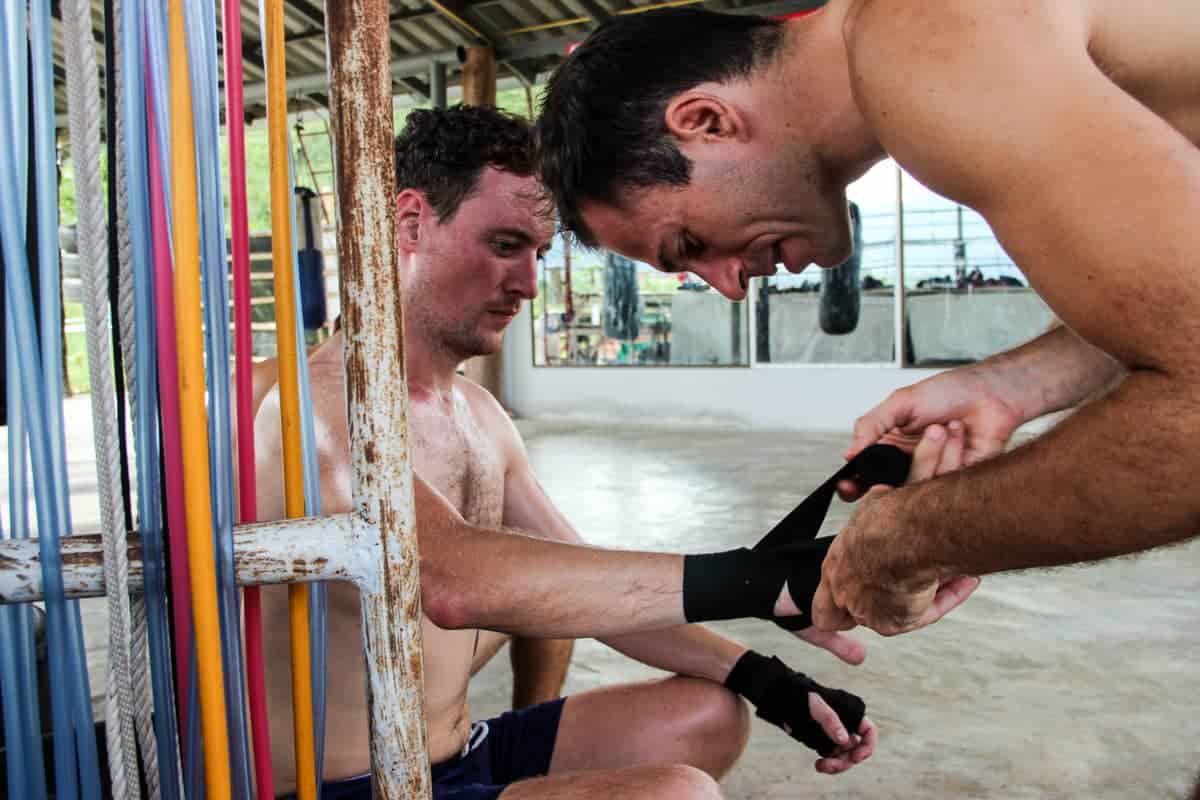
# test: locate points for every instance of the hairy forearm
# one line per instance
(1056, 371)
(505, 581)
(1105, 482)
(684, 649)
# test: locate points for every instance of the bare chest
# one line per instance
(455, 455)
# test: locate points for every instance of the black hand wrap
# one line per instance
(746, 583)
(780, 695)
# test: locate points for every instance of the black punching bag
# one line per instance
(840, 296)
(312, 266)
(622, 318)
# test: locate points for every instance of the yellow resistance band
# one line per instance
(289, 392)
(194, 415)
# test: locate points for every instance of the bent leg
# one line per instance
(674, 720)
(661, 782)
(539, 668)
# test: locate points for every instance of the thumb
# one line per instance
(826, 615)
(949, 596)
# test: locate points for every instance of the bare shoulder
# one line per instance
(900, 28)
(937, 80)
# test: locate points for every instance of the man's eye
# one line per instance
(505, 247)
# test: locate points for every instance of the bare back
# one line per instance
(454, 451)
(1150, 52)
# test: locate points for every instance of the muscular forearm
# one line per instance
(505, 581)
(1105, 482)
(1055, 371)
(684, 649)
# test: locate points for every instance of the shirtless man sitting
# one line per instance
(539, 666)
(472, 222)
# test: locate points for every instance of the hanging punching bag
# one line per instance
(622, 317)
(312, 266)
(840, 296)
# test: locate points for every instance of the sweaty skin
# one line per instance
(1072, 127)
(453, 452)
(1090, 177)
(469, 275)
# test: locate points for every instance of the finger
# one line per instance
(867, 430)
(828, 719)
(950, 595)
(825, 612)
(847, 648)
(894, 412)
(952, 453)
(849, 491)
(834, 764)
(868, 735)
(927, 454)
(898, 438)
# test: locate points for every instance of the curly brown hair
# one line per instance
(442, 151)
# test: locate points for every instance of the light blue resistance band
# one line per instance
(76, 764)
(146, 426)
(26, 765)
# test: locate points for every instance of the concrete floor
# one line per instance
(1068, 683)
(1076, 682)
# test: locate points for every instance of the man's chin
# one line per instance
(485, 344)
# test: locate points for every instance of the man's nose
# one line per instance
(522, 279)
(727, 275)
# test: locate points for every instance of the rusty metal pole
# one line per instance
(478, 75)
(359, 54)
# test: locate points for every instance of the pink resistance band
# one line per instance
(247, 489)
(168, 387)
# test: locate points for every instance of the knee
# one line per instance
(683, 782)
(720, 720)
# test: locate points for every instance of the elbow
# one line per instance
(446, 598)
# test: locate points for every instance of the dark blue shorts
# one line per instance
(499, 751)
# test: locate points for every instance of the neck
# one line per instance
(428, 366)
(426, 369)
(815, 69)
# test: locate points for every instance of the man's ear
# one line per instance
(411, 212)
(701, 117)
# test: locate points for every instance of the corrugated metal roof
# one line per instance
(530, 37)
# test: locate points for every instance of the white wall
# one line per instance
(809, 397)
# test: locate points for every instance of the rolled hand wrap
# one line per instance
(746, 582)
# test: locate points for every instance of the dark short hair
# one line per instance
(601, 128)
(442, 152)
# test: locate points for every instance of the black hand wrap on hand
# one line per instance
(746, 583)
(780, 695)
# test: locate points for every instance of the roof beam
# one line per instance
(557, 46)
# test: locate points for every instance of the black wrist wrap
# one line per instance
(731, 585)
(780, 695)
(746, 582)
